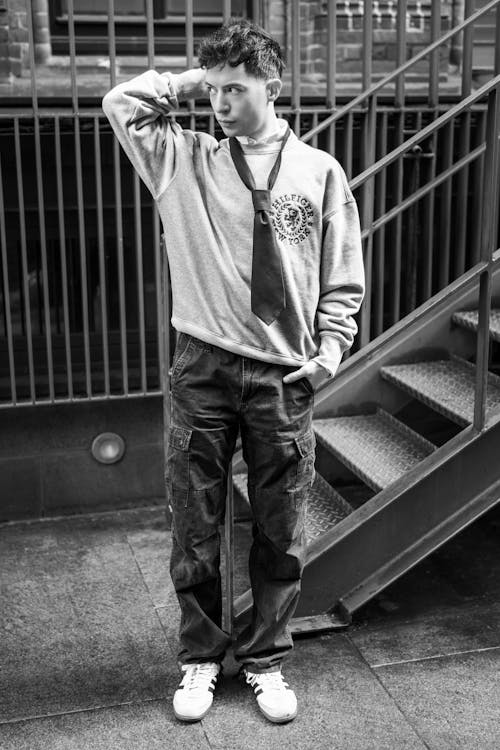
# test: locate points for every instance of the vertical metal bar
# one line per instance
(164, 337)
(368, 206)
(397, 242)
(140, 281)
(102, 256)
(256, 11)
(226, 9)
(118, 211)
(295, 58)
(469, 7)
(488, 245)
(477, 190)
(379, 240)
(229, 553)
(489, 221)
(79, 196)
(348, 140)
(24, 261)
(62, 255)
(41, 211)
(445, 222)
(190, 55)
(434, 56)
(189, 34)
(150, 31)
(331, 56)
(496, 69)
(482, 350)
(314, 140)
(461, 201)
(428, 209)
(6, 295)
(400, 51)
(367, 44)
(159, 258)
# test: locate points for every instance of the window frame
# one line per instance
(91, 31)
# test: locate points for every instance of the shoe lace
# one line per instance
(198, 677)
(267, 681)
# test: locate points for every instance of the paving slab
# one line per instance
(79, 629)
(453, 703)
(473, 625)
(144, 726)
(341, 705)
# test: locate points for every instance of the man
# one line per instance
(264, 249)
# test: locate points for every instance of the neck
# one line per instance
(270, 127)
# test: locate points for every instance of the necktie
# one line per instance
(268, 287)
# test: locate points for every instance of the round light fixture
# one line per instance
(108, 448)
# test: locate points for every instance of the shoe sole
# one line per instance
(275, 720)
(191, 719)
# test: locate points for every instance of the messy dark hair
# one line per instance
(241, 41)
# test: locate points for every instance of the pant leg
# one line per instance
(202, 436)
(279, 449)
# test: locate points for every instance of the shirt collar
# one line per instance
(274, 137)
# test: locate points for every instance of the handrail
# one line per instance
(424, 133)
(398, 71)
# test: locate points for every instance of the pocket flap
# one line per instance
(305, 443)
(179, 437)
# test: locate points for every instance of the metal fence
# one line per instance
(80, 300)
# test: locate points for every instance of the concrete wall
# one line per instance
(46, 465)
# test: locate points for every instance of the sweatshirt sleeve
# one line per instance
(138, 113)
(341, 283)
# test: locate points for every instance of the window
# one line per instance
(91, 24)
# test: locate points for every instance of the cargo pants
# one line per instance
(214, 395)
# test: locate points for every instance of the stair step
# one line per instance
(325, 509)
(447, 386)
(376, 447)
(469, 319)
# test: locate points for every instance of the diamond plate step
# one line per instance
(447, 386)
(376, 447)
(469, 319)
(325, 509)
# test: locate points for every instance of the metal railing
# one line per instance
(80, 305)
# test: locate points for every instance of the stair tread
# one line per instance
(325, 509)
(469, 319)
(376, 447)
(447, 386)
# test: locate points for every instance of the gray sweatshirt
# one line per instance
(207, 217)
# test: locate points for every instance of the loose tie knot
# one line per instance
(261, 200)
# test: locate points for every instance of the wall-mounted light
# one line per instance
(108, 448)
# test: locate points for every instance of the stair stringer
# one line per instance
(401, 525)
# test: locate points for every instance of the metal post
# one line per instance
(488, 245)
(229, 554)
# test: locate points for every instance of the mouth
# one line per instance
(226, 123)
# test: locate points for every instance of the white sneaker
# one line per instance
(195, 694)
(276, 700)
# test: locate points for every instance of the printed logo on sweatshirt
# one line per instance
(292, 218)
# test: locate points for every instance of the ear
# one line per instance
(273, 88)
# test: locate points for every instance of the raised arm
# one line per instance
(138, 112)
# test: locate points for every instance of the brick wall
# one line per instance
(349, 47)
(13, 38)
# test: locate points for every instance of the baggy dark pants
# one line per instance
(215, 393)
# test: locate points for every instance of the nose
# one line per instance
(220, 103)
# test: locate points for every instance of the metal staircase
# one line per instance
(412, 419)
(420, 493)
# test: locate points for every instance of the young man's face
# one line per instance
(242, 103)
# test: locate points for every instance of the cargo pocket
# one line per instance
(305, 445)
(177, 468)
